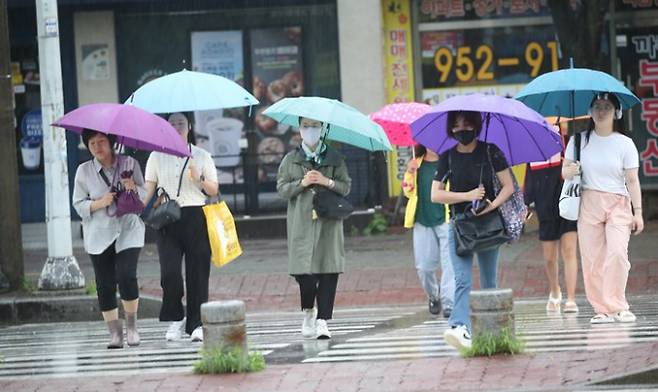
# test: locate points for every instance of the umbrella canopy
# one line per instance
(569, 92)
(396, 120)
(187, 91)
(132, 126)
(521, 133)
(344, 123)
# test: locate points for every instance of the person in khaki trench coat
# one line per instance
(316, 252)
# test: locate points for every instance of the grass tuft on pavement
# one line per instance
(220, 360)
(489, 344)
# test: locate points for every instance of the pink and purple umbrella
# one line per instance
(132, 126)
(521, 133)
(396, 120)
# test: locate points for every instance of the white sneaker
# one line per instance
(197, 335)
(308, 324)
(322, 329)
(458, 337)
(175, 330)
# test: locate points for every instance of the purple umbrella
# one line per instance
(132, 126)
(520, 132)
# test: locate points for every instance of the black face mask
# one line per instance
(464, 137)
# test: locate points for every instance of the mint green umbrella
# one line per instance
(344, 123)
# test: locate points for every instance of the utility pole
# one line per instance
(61, 271)
(11, 248)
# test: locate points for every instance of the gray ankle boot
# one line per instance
(116, 333)
(132, 336)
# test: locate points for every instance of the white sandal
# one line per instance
(553, 304)
(602, 318)
(625, 316)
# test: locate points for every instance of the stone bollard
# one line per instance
(491, 311)
(224, 325)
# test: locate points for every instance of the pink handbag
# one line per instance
(127, 201)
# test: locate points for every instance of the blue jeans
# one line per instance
(463, 268)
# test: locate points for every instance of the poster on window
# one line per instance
(638, 55)
(276, 58)
(220, 131)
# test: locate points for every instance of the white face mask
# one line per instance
(310, 135)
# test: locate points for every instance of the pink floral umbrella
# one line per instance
(396, 120)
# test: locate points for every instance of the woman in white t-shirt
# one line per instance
(188, 181)
(610, 183)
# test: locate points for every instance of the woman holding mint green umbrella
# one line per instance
(315, 245)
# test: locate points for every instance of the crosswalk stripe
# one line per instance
(78, 348)
(358, 335)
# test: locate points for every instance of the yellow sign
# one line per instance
(399, 76)
(16, 76)
(479, 63)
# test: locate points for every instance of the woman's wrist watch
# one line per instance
(331, 184)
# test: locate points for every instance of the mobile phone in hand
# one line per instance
(477, 206)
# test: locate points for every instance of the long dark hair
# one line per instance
(419, 150)
(617, 124)
(189, 116)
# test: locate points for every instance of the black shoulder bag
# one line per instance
(169, 210)
(329, 204)
(476, 233)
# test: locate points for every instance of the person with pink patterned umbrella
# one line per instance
(428, 220)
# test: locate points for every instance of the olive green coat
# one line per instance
(315, 246)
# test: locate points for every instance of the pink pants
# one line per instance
(604, 228)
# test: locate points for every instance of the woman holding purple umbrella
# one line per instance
(113, 242)
(469, 166)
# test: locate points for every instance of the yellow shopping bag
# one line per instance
(222, 234)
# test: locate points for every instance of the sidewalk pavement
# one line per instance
(559, 371)
(379, 270)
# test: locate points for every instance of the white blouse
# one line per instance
(165, 170)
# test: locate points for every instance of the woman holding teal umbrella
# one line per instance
(610, 208)
(315, 245)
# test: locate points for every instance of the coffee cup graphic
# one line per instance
(31, 152)
(224, 134)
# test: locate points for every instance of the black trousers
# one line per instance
(321, 287)
(187, 237)
(110, 269)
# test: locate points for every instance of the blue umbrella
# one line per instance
(569, 92)
(187, 91)
(344, 123)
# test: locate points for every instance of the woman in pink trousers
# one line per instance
(610, 208)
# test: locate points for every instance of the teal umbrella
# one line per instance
(344, 123)
(569, 92)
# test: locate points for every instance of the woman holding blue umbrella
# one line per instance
(610, 208)
(469, 166)
(188, 181)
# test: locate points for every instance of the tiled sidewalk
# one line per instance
(561, 371)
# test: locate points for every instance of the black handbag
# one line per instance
(330, 205)
(475, 233)
(169, 210)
